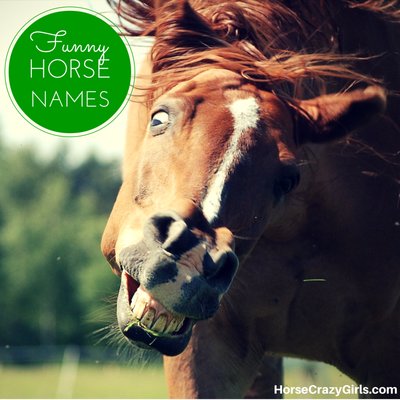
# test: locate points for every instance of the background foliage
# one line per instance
(53, 278)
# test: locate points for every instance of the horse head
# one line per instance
(210, 172)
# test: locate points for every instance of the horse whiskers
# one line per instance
(111, 336)
(244, 237)
(103, 329)
(108, 335)
(112, 259)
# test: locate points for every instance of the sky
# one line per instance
(15, 131)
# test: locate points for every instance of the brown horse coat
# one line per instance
(319, 274)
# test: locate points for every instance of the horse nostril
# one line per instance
(159, 225)
(171, 232)
(225, 267)
(179, 239)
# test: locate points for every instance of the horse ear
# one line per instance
(180, 30)
(330, 117)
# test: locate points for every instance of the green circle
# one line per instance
(69, 72)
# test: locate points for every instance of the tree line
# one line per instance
(55, 286)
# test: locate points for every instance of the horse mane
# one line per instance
(269, 43)
(141, 15)
(387, 9)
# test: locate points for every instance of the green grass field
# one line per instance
(113, 381)
(92, 381)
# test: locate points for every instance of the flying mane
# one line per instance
(269, 43)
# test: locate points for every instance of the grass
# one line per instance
(92, 381)
(113, 381)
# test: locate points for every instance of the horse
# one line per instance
(258, 215)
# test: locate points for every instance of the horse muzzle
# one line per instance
(175, 276)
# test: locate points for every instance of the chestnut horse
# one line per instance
(257, 144)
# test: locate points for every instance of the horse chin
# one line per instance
(147, 324)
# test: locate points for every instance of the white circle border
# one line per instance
(131, 60)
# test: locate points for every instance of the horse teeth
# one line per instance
(160, 324)
(148, 318)
(134, 300)
(180, 325)
(139, 309)
(145, 308)
(172, 327)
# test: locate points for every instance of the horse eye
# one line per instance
(159, 118)
(286, 184)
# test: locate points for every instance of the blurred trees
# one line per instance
(53, 278)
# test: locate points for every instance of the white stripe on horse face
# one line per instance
(245, 114)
